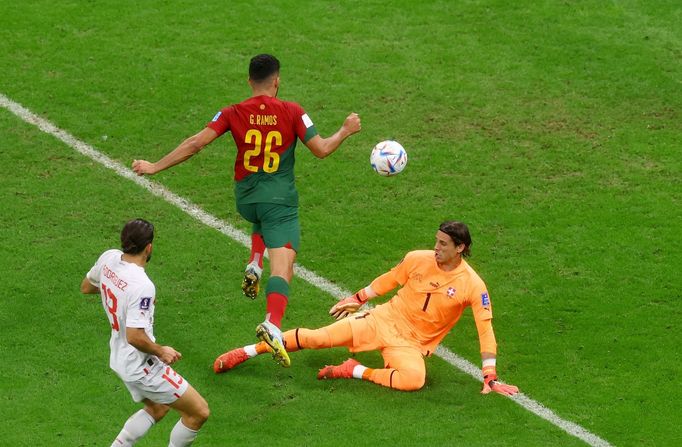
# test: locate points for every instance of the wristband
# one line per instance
(489, 374)
(361, 296)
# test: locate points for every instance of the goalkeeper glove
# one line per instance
(490, 383)
(348, 305)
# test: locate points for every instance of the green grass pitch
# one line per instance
(552, 128)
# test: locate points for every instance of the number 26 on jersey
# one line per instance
(270, 158)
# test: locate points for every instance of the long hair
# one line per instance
(459, 233)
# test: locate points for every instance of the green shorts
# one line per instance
(278, 224)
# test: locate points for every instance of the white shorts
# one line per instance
(161, 384)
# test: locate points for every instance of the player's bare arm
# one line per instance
(185, 150)
(139, 339)
(322, 147)
(87, 287)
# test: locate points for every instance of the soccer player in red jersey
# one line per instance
(265, 130)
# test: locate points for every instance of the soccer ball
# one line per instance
(388, 158)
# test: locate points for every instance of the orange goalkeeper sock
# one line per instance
(367, 373)
(262, 348)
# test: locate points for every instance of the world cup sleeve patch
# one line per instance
(485, 300)
(307, 121)
(145, 302)
(215, 118)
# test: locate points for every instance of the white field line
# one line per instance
(244, 239)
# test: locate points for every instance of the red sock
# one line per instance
(276, 304)
(257, 248)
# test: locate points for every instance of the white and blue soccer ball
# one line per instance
(388, 158)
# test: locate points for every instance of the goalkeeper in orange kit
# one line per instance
(436, 286)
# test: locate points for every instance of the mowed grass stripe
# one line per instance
(308, 275)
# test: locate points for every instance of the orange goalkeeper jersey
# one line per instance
(431, 301)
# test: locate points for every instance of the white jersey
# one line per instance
(128, 298)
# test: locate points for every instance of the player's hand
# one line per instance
(352, 124)
(169, 355)
(346, 307)
(490, 383)
(142, 167)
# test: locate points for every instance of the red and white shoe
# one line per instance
(229, 360)
(342, 371)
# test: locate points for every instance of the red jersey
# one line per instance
(265, 131)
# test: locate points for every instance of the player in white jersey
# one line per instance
(129, 299)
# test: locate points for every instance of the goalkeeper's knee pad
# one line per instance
(407, 379)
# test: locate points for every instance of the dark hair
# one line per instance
(136, 235)
(459, 233)
(262, 67)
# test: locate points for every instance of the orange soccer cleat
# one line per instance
(229, 360)
(342, 371)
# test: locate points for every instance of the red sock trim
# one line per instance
(257, 248)
(275, 307)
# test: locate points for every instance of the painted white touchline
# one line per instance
(525, 401)
(302, 272)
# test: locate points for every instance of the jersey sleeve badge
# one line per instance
(145, 302)
(307, 121)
